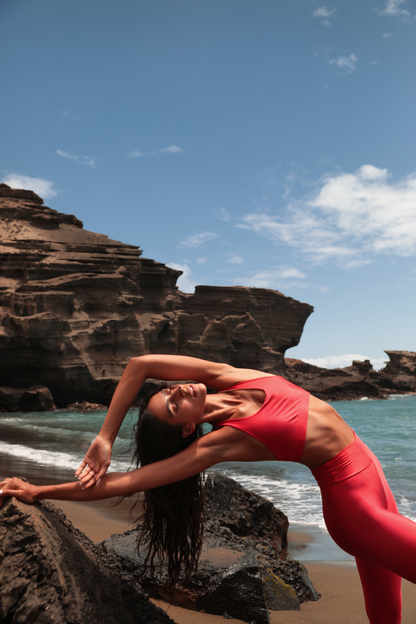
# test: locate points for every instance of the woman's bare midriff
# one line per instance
(326, 434)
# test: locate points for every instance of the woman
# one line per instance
(256, 416)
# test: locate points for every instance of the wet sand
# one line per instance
(338, 582)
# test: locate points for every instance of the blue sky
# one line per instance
(265, 143)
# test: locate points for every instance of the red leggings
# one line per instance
(361, 516)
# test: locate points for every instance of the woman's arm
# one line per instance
(169, 367)
(156, 366)
(196, 458)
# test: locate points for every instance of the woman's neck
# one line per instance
(220, 406)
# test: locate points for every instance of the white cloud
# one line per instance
(369, 172)
(393, 8)
(346, 63)
(83, 160)
(233, 258)
(202, 260)
(137, 154)
(349, 220)
(43, 188)
(387, 35)
(372, 63)
(341, 361)
(185, 282)
(172, 149)
(197, 240)
(271, 278)
(224, 215)
(323, 12)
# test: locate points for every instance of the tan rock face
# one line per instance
(75, 306)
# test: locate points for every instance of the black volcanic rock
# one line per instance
(244, 513)
(239, 574)
(75, 306)
(52, 573)
(33, 399)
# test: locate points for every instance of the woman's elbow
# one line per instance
(136, 364)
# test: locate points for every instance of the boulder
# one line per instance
(33, 399)
(244, 513)
(239, 573)
(51, 572)
(75, 306)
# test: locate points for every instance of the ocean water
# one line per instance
(55, 442)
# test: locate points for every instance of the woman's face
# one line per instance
(179, 404)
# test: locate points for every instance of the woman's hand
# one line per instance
(95, 463)
(20, 489)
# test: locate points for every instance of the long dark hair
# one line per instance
(171, 526)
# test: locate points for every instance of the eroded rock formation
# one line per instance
(75, 306)
(240, 574)
(358, 380)
(399, 373)
(52, 573)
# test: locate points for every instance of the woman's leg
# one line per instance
(363, 522)
(382, 593)
(362, 517)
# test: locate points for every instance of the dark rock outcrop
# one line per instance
(399, 373)
(75, 306)
(51, 572)
(239, 573)
(245, 514)
(358, 380)
(33, 399)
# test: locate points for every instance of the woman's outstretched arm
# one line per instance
(112, 484)
(199, 456)
(224, 445)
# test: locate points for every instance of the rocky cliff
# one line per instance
(75, 306)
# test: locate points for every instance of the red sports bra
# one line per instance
(281, 421)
